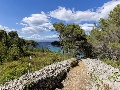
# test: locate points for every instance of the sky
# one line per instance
(34, 19)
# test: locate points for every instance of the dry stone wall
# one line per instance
(47, 78)
(103, 75)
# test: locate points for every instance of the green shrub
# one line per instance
(113, 63)
(14, 69)
(14, 53)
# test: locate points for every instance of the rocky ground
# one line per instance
(92, 74)
(103, 76)
(89, 74)
(77, 78)
(47, 78)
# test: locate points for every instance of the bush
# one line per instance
(115, 64)
(14, 53)
(14, 69)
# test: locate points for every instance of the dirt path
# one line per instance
(77, 78)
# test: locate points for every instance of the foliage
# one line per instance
(72, 39)
(12, 47)
(105, 37)
(115, 64)
(14, 53)
(14, 69)
(103, 42)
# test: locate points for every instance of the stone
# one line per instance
(48, 77)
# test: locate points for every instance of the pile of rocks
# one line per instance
(103, 74)
(47, 78)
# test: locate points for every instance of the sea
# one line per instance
(49, 46)
(55, 48)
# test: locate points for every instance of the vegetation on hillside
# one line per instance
(40, 58)
(73, 39)
(103, 42)
(12, 47)
(105, 37)
(15, 53)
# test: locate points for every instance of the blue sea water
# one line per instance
(49, 46)
(55, 49)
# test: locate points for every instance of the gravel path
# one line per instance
(77, 78)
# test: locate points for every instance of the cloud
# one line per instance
(7, 29)
(78, 16)
(87, 27)
(34, 36)
(107, 7)
(72, 16)
(36, 19)
(23, 24)
(34, 29)
(37, 37)
(36, 23)
(53, 37)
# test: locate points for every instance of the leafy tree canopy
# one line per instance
(72, 38)
(105, 37)
(12, 46)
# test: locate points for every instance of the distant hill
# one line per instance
(55, 43)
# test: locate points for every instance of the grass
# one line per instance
(40, 59)
(115, 64)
